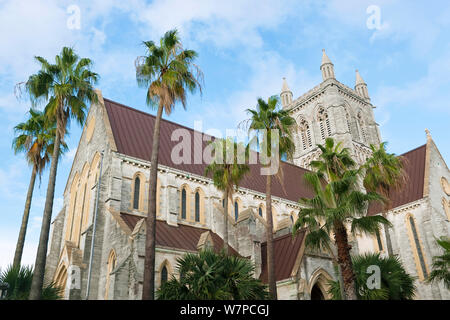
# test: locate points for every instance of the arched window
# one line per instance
(197, 207)
(183, 204)
(362, 127)
(379, 241)
(260, 211)
(417, 248)
(293, 217)
(137, 190)
(305, 134)
(324, 123)
(74, 208)
(236, 210)
(446, 206)
(112, 260)
(61, 278)
(164, 275)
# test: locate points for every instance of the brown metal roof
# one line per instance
(286, 250)
(133, 130)
(182, 237)
(413, 190)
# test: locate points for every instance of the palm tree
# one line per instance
(168, 74)
(394, 282)
(441, 264)
(384, 172)
(337, 203)
(66, 87)
(211, 276)
(35, 138)
(269, 120)
(227, 173)
(19, 280)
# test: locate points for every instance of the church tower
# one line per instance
(286, 94)
(327, 67)
(332, 109)
(361, 87)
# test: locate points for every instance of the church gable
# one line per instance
(288, 251)
(414, 164)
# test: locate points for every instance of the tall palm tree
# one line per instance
(441, 264)
(384, 172)
(266, 120)
(227, 173)
(213, 276)
(168, 73)
(394, 283)
(336, 204)
(34, 137)
(67, 88)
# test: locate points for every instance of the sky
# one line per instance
(245, 48)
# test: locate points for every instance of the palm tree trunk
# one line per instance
(26, 215)
(148, 288)
(269, 232)
(345, 261)
(340, 279)
(41, 255)
(225, 221)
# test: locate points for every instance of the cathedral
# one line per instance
(96, 248)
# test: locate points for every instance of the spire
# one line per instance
(325, 58)
(428, 134)
(359, 79)
(327, 67)
(286, 94)
(361, 87)
(285, 86)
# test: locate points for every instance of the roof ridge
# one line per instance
(415, 149)
(188, 128)
(285, 236)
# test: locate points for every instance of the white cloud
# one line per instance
(8, 247)
(224, 23)
(266, 71)
(430, 91)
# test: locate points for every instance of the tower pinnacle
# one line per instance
(361, 87)
(327, 67)
(286, 94)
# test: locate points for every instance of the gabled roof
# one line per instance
(414, 165)
(133, 130)
(286, 251)
(182, 237)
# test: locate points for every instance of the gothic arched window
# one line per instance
(362, 127)
(260, 211)
(137, 190)
(236, 210)
(164, 275)
(324, 123)
(417, 248)
(305, 134)
(197, 207)
(112, 260)
(183, 204)
(379, 242)
(347, 119)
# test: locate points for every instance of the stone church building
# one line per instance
(110, 171)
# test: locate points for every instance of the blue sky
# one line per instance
(245, 48)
